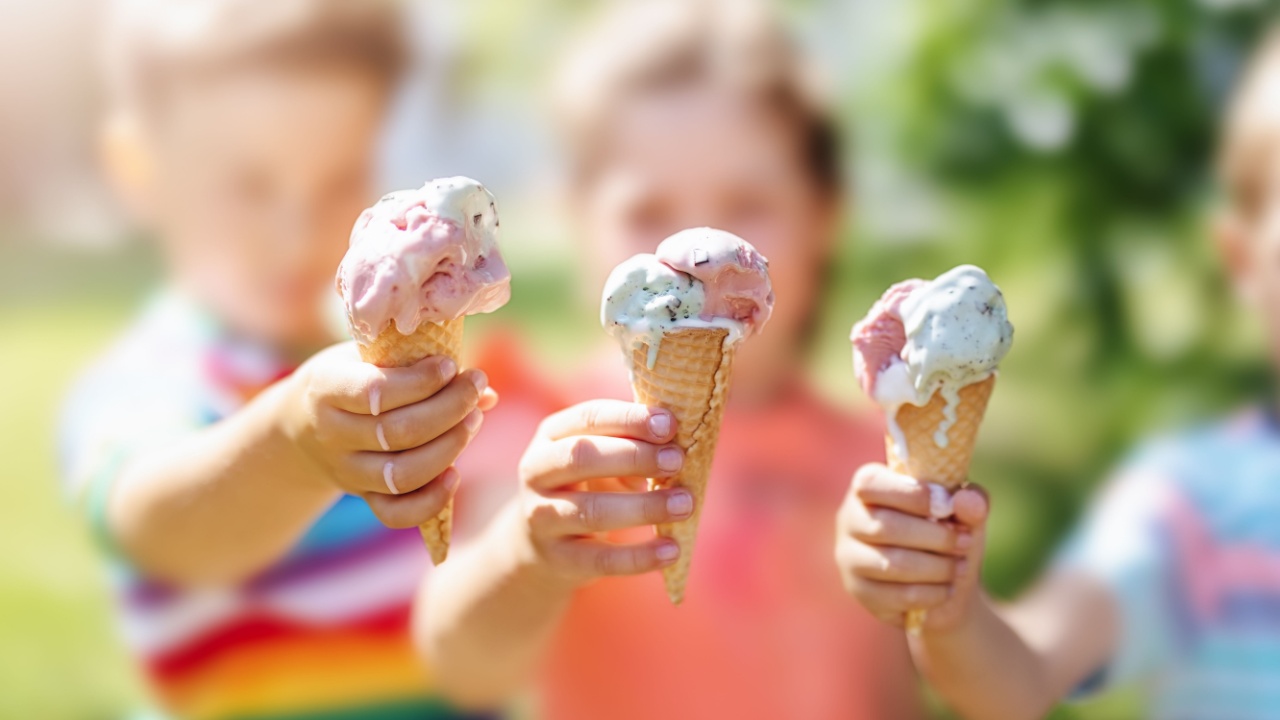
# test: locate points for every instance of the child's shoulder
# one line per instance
(1224, 467)
(1247, 437)
(146, 384)
(154, 354)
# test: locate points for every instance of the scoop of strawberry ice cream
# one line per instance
(879, 337)
(424, 255)
(735, 277)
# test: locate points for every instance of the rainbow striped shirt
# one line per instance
(322, 634)
(1187, 537)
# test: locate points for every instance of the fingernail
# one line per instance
(388, 475)
(680, 503)
(375, 400)
(448, 368)
(670, 459)
(962, 568)
(660, 425)
(451, 479)
(472, 420)
(963, 541)
(481, 380)
(667, 552)
(382, 439)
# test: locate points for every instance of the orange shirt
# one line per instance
(766, 631)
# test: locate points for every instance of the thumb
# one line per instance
(971, 506)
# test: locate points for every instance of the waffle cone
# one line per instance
(392, 349)
(691, 379)
(926, 461)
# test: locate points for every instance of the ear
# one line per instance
(128, 162)
(1231, 235)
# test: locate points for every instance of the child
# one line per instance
(1174, 579)
(241, 503)
(679, 114)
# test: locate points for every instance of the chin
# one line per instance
(312, 335)
(289, 330)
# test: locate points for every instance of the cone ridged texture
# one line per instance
(391, 349)
(947, 466)
(691, 379)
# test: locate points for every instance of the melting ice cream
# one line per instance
(923, 337)
(424, 255)
(699, 277)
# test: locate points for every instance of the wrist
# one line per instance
(284, 438)
(962, 626)
(530, 564)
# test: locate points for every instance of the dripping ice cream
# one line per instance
(923, 337)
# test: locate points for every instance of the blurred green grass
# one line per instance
(60, 656)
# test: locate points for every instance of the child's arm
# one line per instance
(492, 609)
(230, 500)
(986, 661)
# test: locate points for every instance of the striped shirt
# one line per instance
(324, 633)
(1187, 538)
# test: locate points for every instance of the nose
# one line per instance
(295, 228)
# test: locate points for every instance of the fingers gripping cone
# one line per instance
(925, 459)
(423, 258)
(691, 379)
(392, 349)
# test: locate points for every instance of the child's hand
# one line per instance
(589, 445)
(389, 435)
(894, 558)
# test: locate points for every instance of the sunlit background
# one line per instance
(1063, 146)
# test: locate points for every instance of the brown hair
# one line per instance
(652, 45)
(154, 46)
(1252, 119)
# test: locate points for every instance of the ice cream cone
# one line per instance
(925, 460)
(691, 379)
(928, 462)
(392, 349)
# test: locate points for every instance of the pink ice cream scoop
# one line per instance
(878, 338)
(424, 255)
(735, 276)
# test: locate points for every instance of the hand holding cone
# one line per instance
(391, 349)
(924, 460)
(927, 353)
(419, 262)
(679, 316)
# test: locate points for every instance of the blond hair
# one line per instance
(644, 46)
(1251, 123)
(154, 46)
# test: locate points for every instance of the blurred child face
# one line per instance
(254, 181)
(699, 157)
